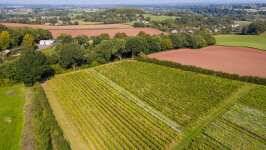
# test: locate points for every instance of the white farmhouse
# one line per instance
(46, 42)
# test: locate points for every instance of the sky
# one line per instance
(87, 2)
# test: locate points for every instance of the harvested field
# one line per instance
(89, 30)
(69, 27)
(111, 32)
(235, 60)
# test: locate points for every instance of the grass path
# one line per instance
(198, 126)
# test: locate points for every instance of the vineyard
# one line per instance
(105, 117)
(180, 97)
(241, 127)
(136, 105)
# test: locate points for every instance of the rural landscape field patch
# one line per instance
(179, 98)
(105, 117)
(233, 60)
(253, 41)
(11, 116)
(118, 106)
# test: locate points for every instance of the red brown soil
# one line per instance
(234, 60)
(89, 30)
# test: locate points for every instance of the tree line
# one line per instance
(72, 52)
(17, 37)
(255, 28)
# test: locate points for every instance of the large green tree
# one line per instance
(28, 42)
(154, 43)
(166, 43)
(135, 45)
(4, 40)
(33, 66)
(70, 55)
(198, 41)
(109, 49)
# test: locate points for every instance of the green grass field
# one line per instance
(253, 41)
(158, 18)
(11, 116)
(132, 104)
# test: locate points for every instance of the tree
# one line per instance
(28, 42)
(143, 34)
(100, 38)
(109, 49)
(154, 43)
(166, 43)
(4, 40)
(70, 55)
(2, 28)
(256, 27)
(65, 38)
(198, 41)
(207, 36)
(177, 40)
(82, 40)
(33, 66)
(120, 35)
(135, 45)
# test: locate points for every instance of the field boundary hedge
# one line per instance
(250, 79)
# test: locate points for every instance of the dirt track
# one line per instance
(89, 30)
(236, 60)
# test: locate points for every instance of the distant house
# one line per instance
(174, 31)
(46, 42)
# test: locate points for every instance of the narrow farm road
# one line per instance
(198, 126)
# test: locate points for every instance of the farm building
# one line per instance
(46, 42)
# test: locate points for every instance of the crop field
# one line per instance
(106, 117)
(89, 30)
(234, 60)
(253, 41)
(11, 116)
(136, 105)
(241, 127)
(180, 97)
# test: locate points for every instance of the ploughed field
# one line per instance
(11, 116)
(89, 30)
(234, 60)
(137, 105)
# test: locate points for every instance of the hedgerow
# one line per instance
(250, 79)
